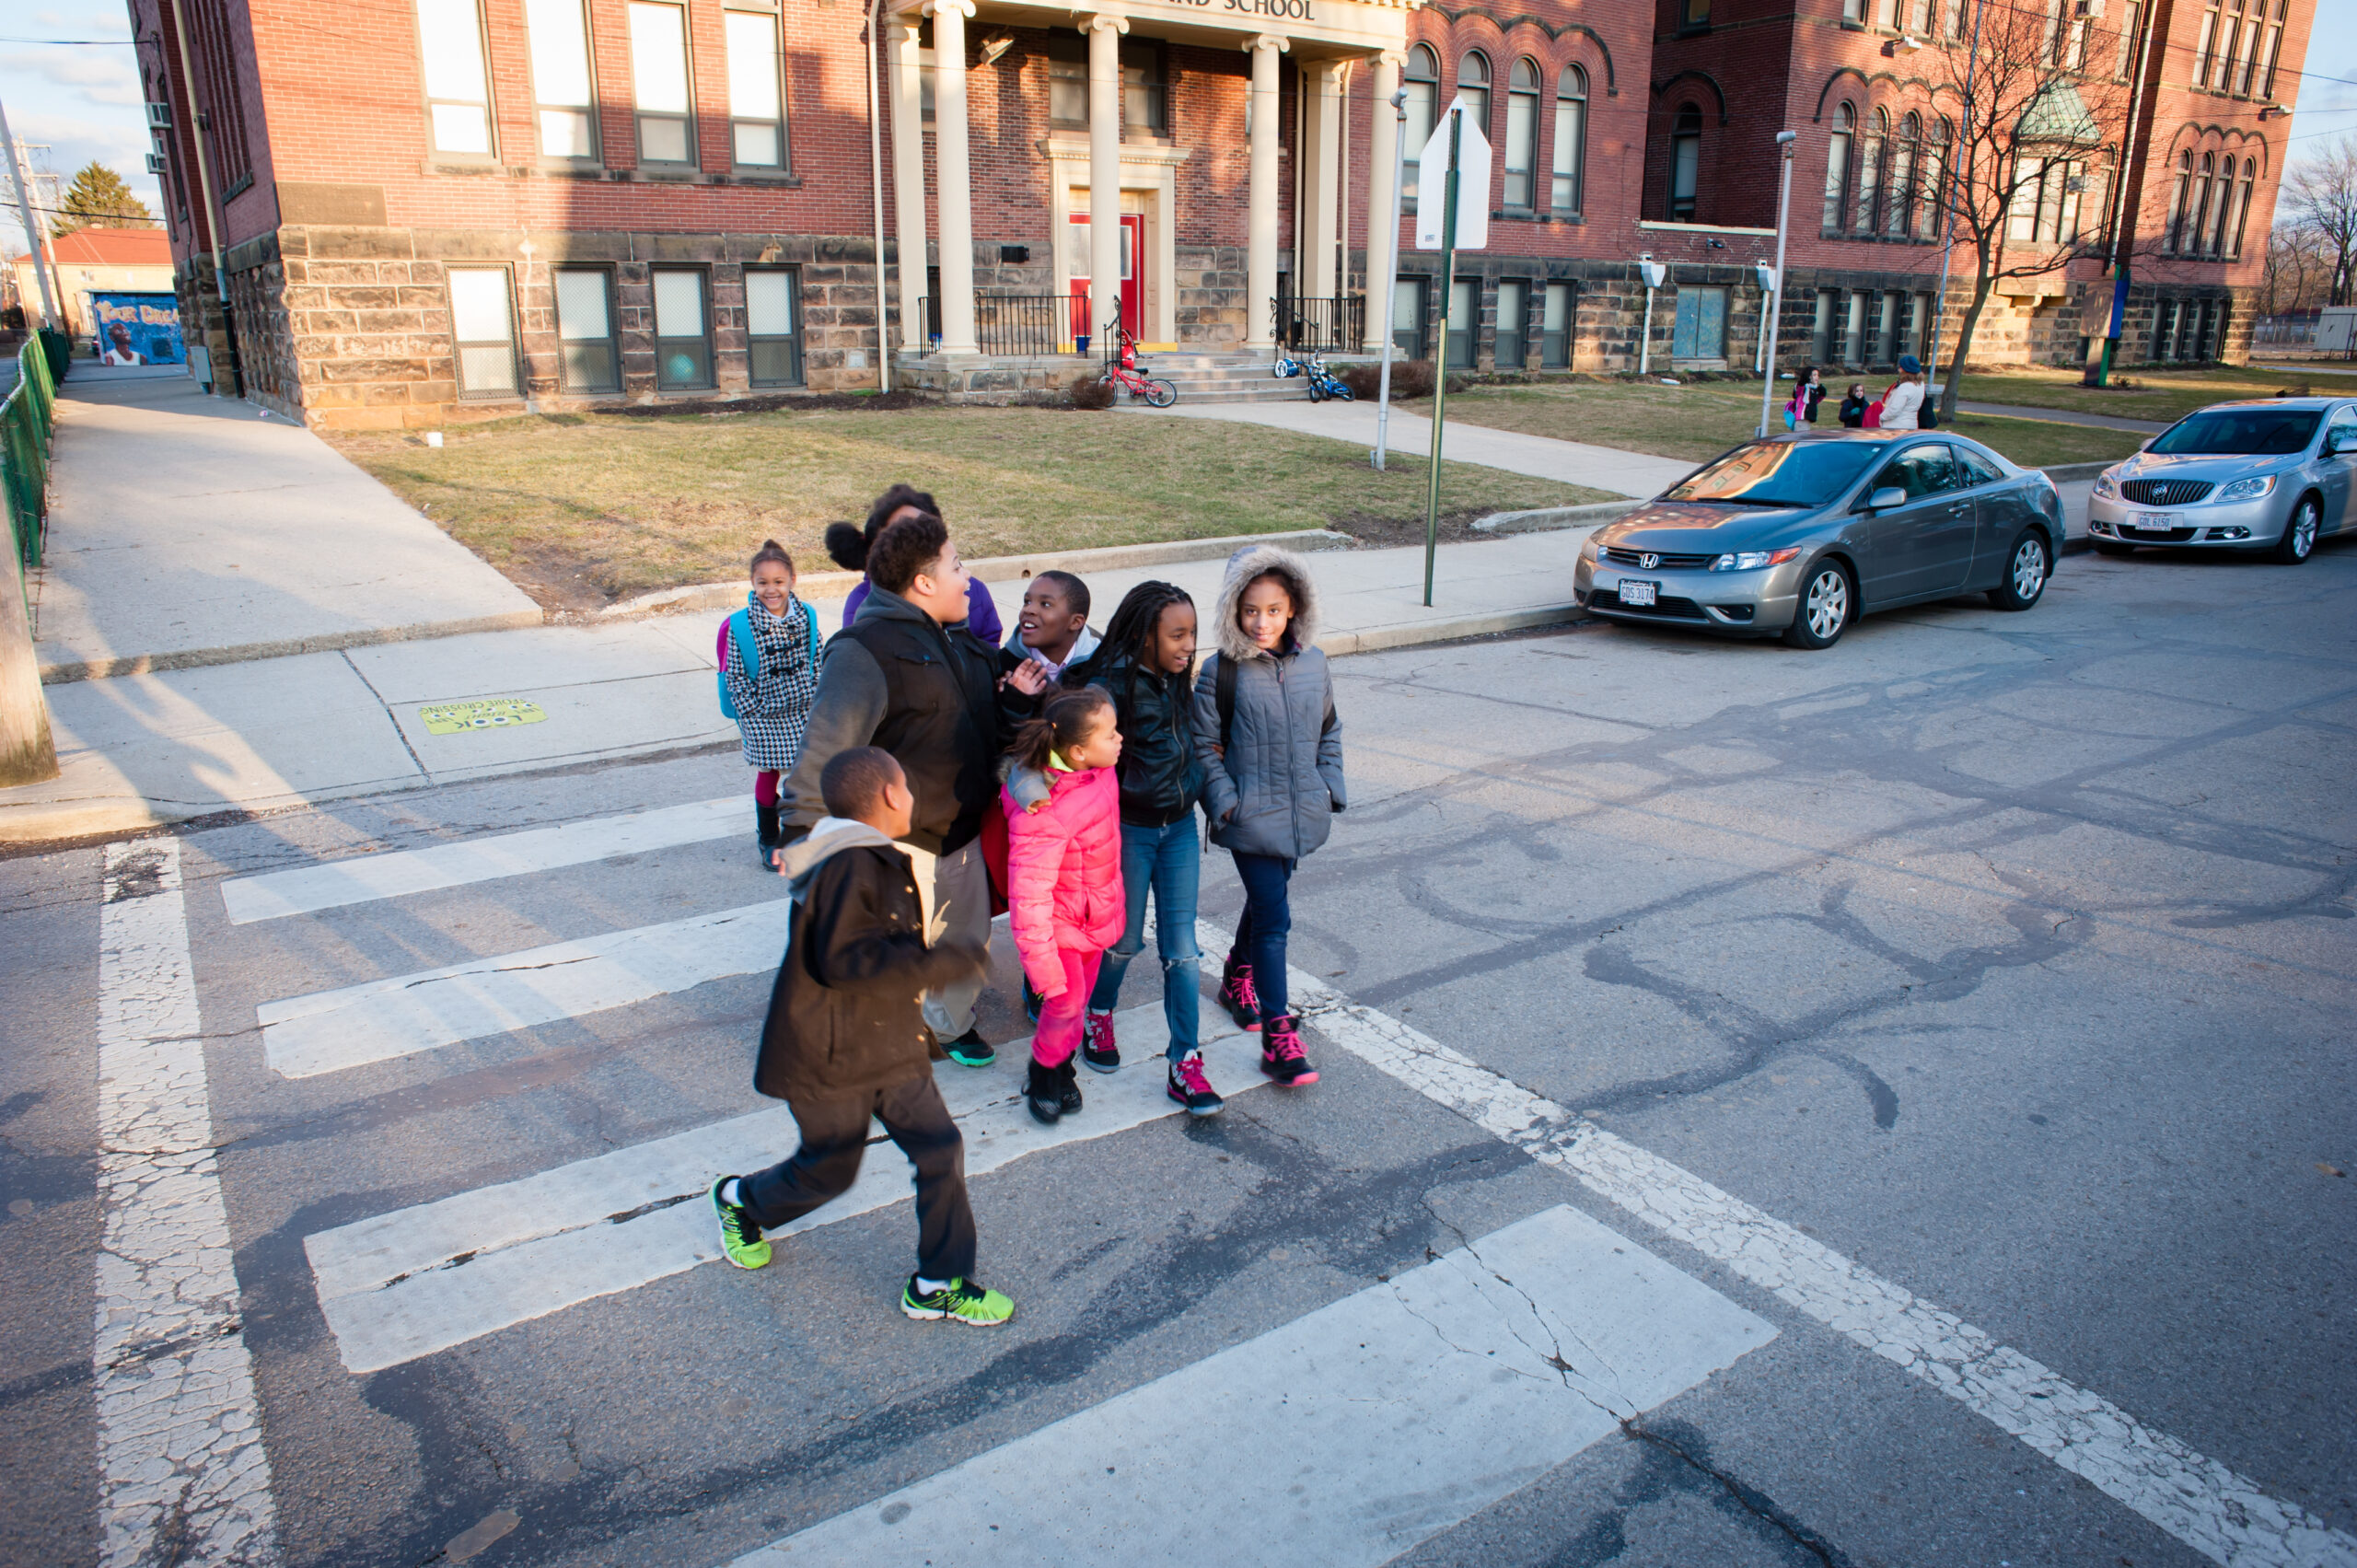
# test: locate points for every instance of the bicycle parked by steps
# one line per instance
(1324, 384)
(1125, 375)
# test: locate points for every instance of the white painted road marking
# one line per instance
(308, 889)
(183, 1476)
(420, 1280)
(1343, 1438)
(402, 1014)
(2224, 1516)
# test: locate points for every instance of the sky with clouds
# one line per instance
(84, 100)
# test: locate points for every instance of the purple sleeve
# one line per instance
(858, 596)
(982, 615)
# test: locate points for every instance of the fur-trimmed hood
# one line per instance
(1255, 561)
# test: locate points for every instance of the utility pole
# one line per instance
(1773, 302)
(32, 229)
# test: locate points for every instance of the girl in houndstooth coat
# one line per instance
(774, 703)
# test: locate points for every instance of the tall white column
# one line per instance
(1382, 234)
(953, 171)
(908, 175)
(1260, 222)
(1104, 171)
(1323, 188)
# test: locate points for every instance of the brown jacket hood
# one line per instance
(1256, 561)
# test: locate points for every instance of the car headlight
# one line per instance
(1753, 560)
(2249, 489)
(2106, 488)
(1588, 550)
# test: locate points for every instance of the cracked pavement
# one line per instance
(1997, 962)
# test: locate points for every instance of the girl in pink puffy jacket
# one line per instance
(1063, 802)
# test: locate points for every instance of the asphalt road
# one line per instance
(2003, 961)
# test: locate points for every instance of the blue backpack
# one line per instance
(748, 651)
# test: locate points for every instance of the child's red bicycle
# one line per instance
(1123, 374)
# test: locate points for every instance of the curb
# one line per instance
(23, 826)
(196, 659)
(2064, 473)
(1381, 638)
(1540, 519)
(820, 586)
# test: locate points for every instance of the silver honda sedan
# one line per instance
(2272, 476)
(1799, 535)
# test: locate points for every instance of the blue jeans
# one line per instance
(1261, 932)
(1169, 861)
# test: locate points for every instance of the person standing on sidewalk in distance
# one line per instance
(1904, 402)
(842, 1041)
(769, 675)
(1812, 392)
(1052, 626)
(1064, 875)
(847, 546)
(1853, 406)
(908, 676)
(1271, 750)
(1149, 648)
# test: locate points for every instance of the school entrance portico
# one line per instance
(1211, 132)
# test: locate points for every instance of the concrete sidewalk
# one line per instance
(186, 529)
(1639, 475)
(139, 751)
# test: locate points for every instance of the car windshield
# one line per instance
(2247, 432)
(1779, 473)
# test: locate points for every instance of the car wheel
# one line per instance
(2025, 574)
(2111, 547)
(2299, 540)
(1828, 601)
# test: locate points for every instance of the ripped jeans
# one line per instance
(1169, 862)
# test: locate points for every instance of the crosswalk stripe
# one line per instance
(2225, 1517)
(1344, 1437)
(310, 889)
(420, 1280)
(379, 1020)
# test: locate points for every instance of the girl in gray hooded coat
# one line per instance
(1271, 750)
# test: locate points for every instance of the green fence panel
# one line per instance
(24, 425)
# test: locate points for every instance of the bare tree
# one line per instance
(2297, 275)
(2320, 195)
(2033, 161)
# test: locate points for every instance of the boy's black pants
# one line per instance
(834, 1136)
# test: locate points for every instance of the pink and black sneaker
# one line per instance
(1097, 1046)
(1237, 996)
(1281, 1054)
(1190, 1089)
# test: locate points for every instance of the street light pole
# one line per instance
(1389, 246)
(1773, 304)
(1440, 382)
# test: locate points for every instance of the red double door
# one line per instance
(1133, 269)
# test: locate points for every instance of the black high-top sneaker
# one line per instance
(1281, 1057)
(1043, 1091)
(1237, 996)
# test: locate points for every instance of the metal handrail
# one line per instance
(1320, 323)
(1028, 325)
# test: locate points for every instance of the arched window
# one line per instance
(1473, 86)
(1421, 81)
(2222, 201)
(1522, 136)
(1570, 138)
(2242, 205)
(1900, 209)
(2198, 211)
(1685, 163)
(1870, 171)
(1837, 164)
(1931, 183)
(2177, 192)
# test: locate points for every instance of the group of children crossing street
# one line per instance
(914, 777)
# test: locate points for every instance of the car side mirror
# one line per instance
(2335, 443)
(1888, 497)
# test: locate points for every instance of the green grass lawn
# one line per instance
(2159, 395)
(584, 510)
(1699, 421)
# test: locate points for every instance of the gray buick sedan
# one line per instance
(2269, 476)
(1802, 534)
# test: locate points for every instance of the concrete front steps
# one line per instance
(1224, 379)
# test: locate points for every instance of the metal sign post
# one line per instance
(1771, 293)
(1467, 157)
(1391, 283)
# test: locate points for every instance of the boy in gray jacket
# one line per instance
(1271, 750)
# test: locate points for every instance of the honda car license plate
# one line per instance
(2154, 522)
(1638, 593)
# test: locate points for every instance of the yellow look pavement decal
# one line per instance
(486, 713)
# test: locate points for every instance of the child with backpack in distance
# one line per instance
(769, 678)
(1142, 665)
(1063, 875)
(1271, 750)
(1051, 629)
(845, 1040)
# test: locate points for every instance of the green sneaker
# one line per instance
(971, 1049)
(961, 1299)
(739, 1237)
